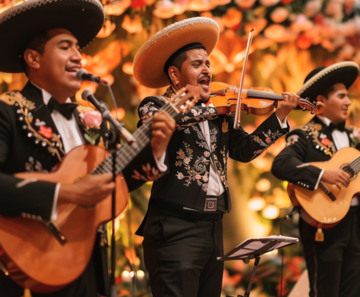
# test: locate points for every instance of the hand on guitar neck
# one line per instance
(336, 177)
(163, 125)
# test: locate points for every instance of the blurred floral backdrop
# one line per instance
(291, 38)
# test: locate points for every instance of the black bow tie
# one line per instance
(66, 109)
(340, 127)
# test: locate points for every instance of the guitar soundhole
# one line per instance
(349, 170)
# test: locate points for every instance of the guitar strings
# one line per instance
(126, 153)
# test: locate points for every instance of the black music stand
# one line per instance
(253, 248)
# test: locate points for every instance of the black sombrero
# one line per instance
(18, 24)
(150, 59)
(322, 78)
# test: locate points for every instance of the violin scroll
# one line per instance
(314, 107)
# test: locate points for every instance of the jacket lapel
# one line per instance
(324, 136)
(41, 124)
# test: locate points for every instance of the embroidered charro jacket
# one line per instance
(29, 141)
(189, 155)
(310, 143)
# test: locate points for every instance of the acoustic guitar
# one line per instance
(36, 259)
(328, 204)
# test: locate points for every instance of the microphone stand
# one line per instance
(113, 291)
(128, 138)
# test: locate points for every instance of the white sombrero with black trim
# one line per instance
(322, 78)
(20, 23)
(150, 59)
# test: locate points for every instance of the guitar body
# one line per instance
(31, 254)
(317, 209)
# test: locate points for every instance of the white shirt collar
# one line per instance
(46, 95)
(326, 121)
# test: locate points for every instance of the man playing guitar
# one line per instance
(43, 39)
(334, 263)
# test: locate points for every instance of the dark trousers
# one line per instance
(334, 264)
(180, 256)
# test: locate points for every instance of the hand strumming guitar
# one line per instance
(336, 177)
(88, 191)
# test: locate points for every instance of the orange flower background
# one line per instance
(290, 40)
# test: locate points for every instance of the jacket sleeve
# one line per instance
(197, 114)
(245, 147)
(142, 168)
(17, 197)
(290, 164)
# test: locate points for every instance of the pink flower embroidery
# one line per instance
(187, 160)
(45, 131)
(325, 141)
(91, 119)
(180, 175)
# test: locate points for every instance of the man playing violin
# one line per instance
(183, 226)
(333, 260)
(39, 125)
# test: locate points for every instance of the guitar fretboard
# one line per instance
(126, 153)
(354, 167)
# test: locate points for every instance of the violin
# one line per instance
(257, 101)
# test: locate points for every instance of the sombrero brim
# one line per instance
(344, 72)
(150, 60)
(20, 23)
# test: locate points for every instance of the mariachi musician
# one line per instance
(183, 226)
(333, 264)
(40, 125)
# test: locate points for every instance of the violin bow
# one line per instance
(238, 104)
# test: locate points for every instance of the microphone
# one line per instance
(106, 114)
(82, 74)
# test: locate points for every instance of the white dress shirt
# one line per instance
(341, 140)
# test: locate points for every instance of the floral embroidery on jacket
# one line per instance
(222, 171)
(23, 105)
(312, 129)
(152, 174)
(13, 97)
(147, 111)
(200, 114)
(292, 139)
(33, 166)
(197, 171)
(202, 143)
(270, 138)
(258, 153)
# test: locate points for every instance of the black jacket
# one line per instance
(189, 155)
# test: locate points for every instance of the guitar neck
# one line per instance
(352, 168)
(127, 152)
